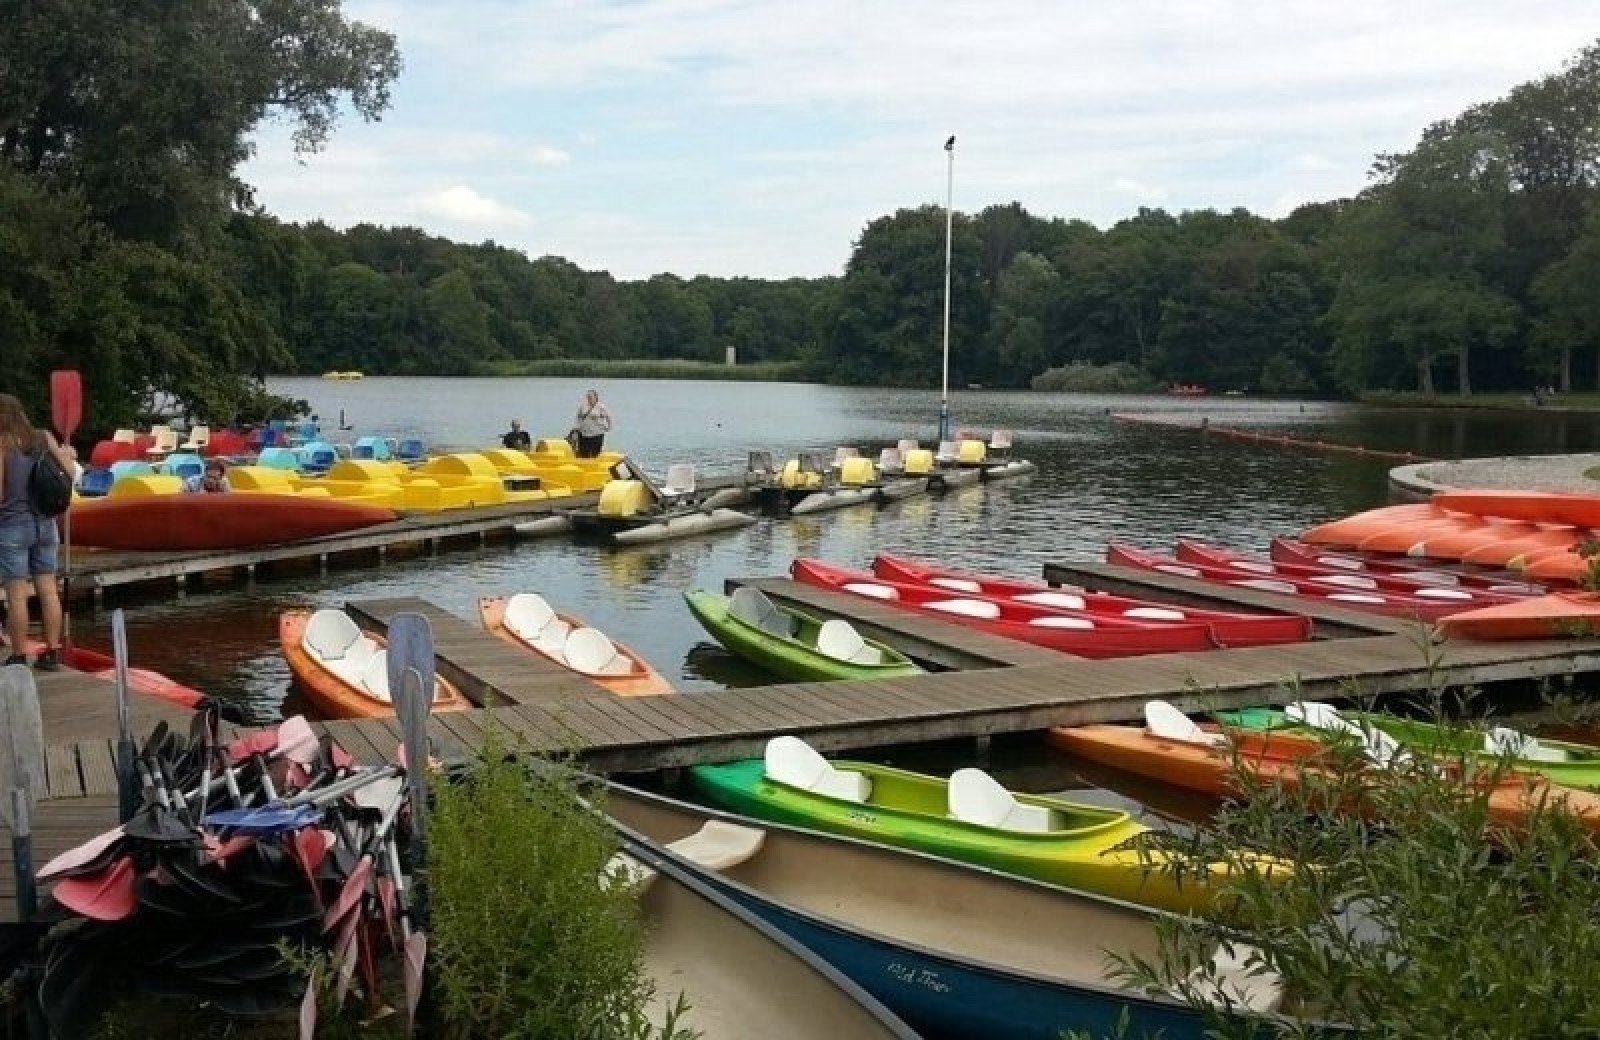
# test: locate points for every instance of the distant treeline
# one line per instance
(129, 248)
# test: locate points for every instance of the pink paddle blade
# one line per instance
(256, 742)
(416, 957)
(297, 741)
(349, 896)
(308, 1008)
(109, 896)
(346, 952)
(84, 853)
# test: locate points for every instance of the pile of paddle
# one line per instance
(237, 852)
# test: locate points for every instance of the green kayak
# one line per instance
(1561, 762)
(1078, 846)
(792, 644)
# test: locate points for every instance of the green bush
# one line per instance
(526, 941)
(1081, 377)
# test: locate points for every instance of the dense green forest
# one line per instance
(129, 248)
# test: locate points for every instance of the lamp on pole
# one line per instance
(949, 224)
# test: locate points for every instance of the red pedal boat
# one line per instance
(1212, 556)
(1082, 633)
(1229, 628)
(1426, 604)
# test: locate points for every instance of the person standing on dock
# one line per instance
(592, 425)
(516, 439)
(28, 538)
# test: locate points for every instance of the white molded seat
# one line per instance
(843, 452)
(1053, 599)
(889, 460)
(1154, 613)
(1288, 588)
(908, 445)
(862, 588)
(840, 640)
(1381, 748)
(1346, 581)
(976, 608)
(532, 620)
(1000, 440)
(1061, 621)
(680, 479)
(1238, 978)
(1458, 595)
(591, 650)
(1163, 720)
(1502, 740)
(1356, 597)
(330, 634)
(790, 760)
(719, 845)
(956, 584)
(375, 675)
(946, 452)
(199, 437)
(125, 436)
(755, 608)
(978, 798)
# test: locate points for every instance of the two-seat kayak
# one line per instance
(1230, 628)
(1213, 556)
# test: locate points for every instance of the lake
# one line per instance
(1099, 480)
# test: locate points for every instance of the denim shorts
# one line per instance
(27, 547)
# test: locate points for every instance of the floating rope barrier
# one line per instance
(1204, 427)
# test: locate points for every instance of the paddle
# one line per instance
(21, 775)
(110, 895)
(127, 780)
(411, 677)
(66, 412)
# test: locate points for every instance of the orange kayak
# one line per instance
(1516, 552)
(1557, 566)
(534, 627)
(1544, 617)
(1410, 538)
(1281, 758)
(1469, 534)
(1351, 530)
(1540, 507)
(344, 671)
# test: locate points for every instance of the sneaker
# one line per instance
(48, 661)
(14, 659)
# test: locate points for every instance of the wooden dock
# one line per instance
(988, 685)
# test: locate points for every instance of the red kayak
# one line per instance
(1288, 550)
(1426, 604)
(140, 680)
(1227, 627)
(234, 520)
(1078, 632)
(1212, 556)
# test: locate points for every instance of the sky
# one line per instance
(758, 138)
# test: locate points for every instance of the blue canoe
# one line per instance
(954, 950)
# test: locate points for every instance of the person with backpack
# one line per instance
(35, 488)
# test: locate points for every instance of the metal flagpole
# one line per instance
(949, 219)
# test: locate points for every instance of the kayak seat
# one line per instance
(530, 618)
(680, 479)
(1081, 624)
(975, 608)
(889, 460)
(1154, 614)
(375, 675)
(840, 640)
(1065, 600)
(1458, 595)
(591, 651)
(1348, 581)
(1264, 584)
(1501, 740)
(755, 608)
(1383, 750)
(1239, 978)
(1167, 722)
(862, 588)
(956, 584)
(917, 462)
(719, 845)
(946, 452)
(791, 761)
(978, 798)
(1355, 597)
(330, 634)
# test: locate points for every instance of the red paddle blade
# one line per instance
(108, 896)
(346, 952)
(257, 742)
(77, 857)
(66, 401)
(416, 957)
(308, 1009)
(350, 895)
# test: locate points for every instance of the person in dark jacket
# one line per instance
(28, 540)
(516, 438)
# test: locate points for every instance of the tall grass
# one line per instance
(644, 368)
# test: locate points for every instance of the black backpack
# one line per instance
(49, 483)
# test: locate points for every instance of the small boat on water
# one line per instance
(1423, 603)
(527, 621)
(1290, 551)
(1554, 616)
(1229, 628)
(1055, 627)
(343, 671)
(741, 976)
(634, 510)
(955, 950)
(1561, 762)
(968, 817)
(144, 681)
(1212, 556)
(791, 643)
(1175, 750)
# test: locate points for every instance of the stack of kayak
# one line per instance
(791, 643)
(1074, 621)
(1174, 749)
(528, 622)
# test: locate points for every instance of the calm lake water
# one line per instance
(1099, 480)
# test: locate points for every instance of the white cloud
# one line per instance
(460, 204)
(545, 155)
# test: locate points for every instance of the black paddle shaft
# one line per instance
(22, 856)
